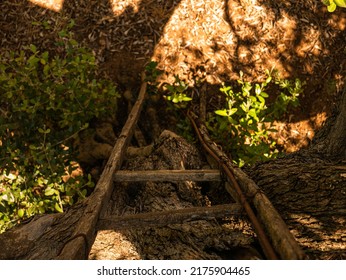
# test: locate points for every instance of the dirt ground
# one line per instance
(213, 40)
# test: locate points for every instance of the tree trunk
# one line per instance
(331, 140)
(308, 188)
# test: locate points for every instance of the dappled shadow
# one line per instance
(212, 40)
(122, 37)
(299, 38)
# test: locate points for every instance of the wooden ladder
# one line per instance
(92, 220)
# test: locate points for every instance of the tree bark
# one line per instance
(331, 139)
(308, 188)
(310, 195)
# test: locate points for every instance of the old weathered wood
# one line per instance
(167, 175)
(190, 240)
(310, 197)
(164, 218)
(77, 247)
(42, 236)
(282, 240)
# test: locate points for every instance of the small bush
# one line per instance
(46, 100)
(242, 127)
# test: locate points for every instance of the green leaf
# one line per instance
(340, 3)
(20, 213)
(227, 90)
(33, 48)
(43, 131)
(253, 99)
(258, 89)
(83, 193)
(268, 80)
(58, 208)
(223, 125)
(232, 121)
(46, 25)
(62, 33)
(45, 56)
(252, 113)
(185, 98)
(46, 70)
(73, 42)
(49, 192)
(222, 113)
(71, 24)
(33, 60)
(232, 111)
(261, 99)
(264, 94)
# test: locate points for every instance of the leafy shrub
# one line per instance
(242, 127)
(45, 101)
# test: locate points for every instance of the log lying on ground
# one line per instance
(41, 237)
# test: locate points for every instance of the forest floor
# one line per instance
(213, 40)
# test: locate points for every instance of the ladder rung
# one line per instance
(164, 218)
(167, 175)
